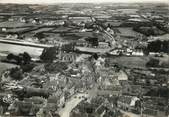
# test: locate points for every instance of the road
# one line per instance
(129, 114)
(24, 43)
(73, 102)
(92, 50)
(70, 104)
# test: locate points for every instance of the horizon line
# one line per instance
(51, 2)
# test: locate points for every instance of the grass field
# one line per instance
(15, 30)
(4, 66)
(14, 24)
(42, 30)
(127, 31)
(132, 62)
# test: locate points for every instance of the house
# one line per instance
(134, 16)
(11, 19)
(122, 75)
(53, 22)
(108, 83)
(103, 45)
(155, 106)
(116, 51)
(12, 36)
(57, 98)
(68, 57)
(138, 53)
(70, 90)
(81, 42)
(139, 50)
(80, 20)
(18, 108)
(4, 29)
(127, 102)
(102, 16)
(22, 19)
(62, 100)
(129, 89)
(35, 21)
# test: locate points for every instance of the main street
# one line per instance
(71, 104)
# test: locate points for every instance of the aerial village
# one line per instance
(84, 60)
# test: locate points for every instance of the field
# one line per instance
(14, 24)
(42, 30)
(71, 37)
(4, 66)
(15, 30)
(61, 29)
(132, 62)
(164, 37)
(85, 34)
(127, 32)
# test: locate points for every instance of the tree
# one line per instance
(158, 92)
(95, 56)
(138, 106)
(16, 58)
(10, 56)
(93, 41)
(40, 35)
(56, 67)
(21, 59)
(16, 73)
(49, 54)
(88, 25)
(27, 67)
(152, 63)
(68, 47)
(1, 110)
(26, 58)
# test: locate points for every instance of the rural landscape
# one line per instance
(84, 60)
